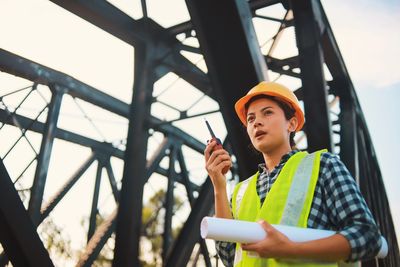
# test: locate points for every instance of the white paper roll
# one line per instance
(231, 230)
(248, 232)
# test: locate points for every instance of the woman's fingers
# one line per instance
(220, 163)
(217, 162)
(210, 153)
(209, 148)
(274, 245)
(251, 246)
(266, 226)
(217, 158)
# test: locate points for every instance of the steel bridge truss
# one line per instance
(235, 62)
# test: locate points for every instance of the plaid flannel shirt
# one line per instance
(337, 205)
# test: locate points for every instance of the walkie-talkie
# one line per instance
(219, 143)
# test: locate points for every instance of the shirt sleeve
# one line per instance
(226, 252)
(349, 211)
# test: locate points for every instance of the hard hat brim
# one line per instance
(240, 106)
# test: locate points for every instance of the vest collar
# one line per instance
(263, 169)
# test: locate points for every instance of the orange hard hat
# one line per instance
(271, 89)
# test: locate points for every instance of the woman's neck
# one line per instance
(272, 158)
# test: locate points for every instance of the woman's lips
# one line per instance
(259, 134)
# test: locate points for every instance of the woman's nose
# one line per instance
(257, 122)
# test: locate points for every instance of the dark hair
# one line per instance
(287, 110)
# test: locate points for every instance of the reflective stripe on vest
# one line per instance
(296, 199)
(288, 202)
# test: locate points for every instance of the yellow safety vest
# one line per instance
(288, 203)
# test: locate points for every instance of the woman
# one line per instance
(291, 187)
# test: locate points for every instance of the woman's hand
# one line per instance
(216, 161)
(274, 245)
(277, 245)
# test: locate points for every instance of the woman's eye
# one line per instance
(267, 112)
(250, 119)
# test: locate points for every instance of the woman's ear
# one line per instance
(292, 125)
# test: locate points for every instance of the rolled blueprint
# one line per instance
(248, 232)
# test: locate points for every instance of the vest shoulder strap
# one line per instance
(238, 194)
(301, 191)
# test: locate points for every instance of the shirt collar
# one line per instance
(262, 168)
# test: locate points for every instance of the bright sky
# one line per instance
(366, 31)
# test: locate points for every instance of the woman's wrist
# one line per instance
(292, 250)
(222, 209)
(220, 193)
(219, 183)
(328, 249)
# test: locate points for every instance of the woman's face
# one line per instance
(267, 126)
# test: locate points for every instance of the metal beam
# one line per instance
(69, 136)
(43, 161)
(278, 65)
(348, 134)
(158, 155)
(38, 73)
(102, 148)
(189, 192)
(129, 217)
(285, 23)
(109, 18)
(365, 172)
(308, 35)
(113, 181)
(33, 71)
(39, 127)
(187, 26)
(190, 233)
(182, 67)
(50, 205)
(96, 243)
(18, 235)
(257, 4)
(338, 70)
(95, 201)
(225, 31)
(169, 204)
(105, 230)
